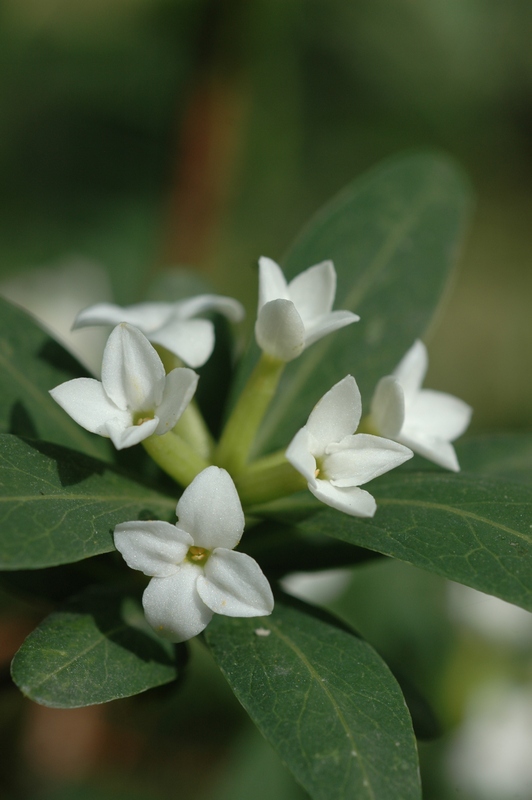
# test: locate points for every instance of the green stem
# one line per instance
(241, 428)
(268, 479)
(192, 429)
(175, 456)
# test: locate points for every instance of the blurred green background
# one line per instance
(149, 133)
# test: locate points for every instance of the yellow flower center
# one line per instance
(198, 555)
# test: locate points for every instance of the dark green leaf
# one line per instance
(463, 527)
(97, 648)
(393, 236)
(325, 701)
(506, 455)
(31, 363)
(281, 548)
(57, 506)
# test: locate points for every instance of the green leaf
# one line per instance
(464, 527)
(97, 648)
(32, 363)
(58, 506)
(325, 701)
(393, 235)
(507, 456)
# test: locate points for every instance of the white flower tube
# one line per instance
(422, 419)
(194, 569)
(333, 460)
(135, 398)
(291, 316)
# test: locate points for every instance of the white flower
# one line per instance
(170, 325)
(195, 572)
(295, 315)
(333, 460)
(135, 398)
(422, 419)
(54, 295)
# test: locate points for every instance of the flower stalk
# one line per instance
(241, 428)
(176, 457)
(268, 479)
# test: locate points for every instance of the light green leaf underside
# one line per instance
(393, 236)
(325, 701)
(464, 527)
(97, 649)
(57, 506)
(32, 363)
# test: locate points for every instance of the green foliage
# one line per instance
(320, 694)
(506, 456)
(59, 506)
(31, 363)
(465, 528)
(393, 237)
(97, 648)
(324, 699)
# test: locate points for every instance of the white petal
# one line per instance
(280, 331)
(145, 316)
(272, 283)
(411, 370)
(327, 324)
(337, 414)
(128, 435)
(358, 459)
(234, 585)
(173, 606)
(300, 456)
(55, 295)
(388, 407)
(439, 414)
(210, 510)
(432, 448)
(154, 547)
(192, 340)
(132, 372)
(179, 389)
(86, 402)
(203, 303)
(351, 500)
(313, 291)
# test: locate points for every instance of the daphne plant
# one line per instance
(275, 488)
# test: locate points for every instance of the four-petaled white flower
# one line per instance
(424, 420)
(194, 569)
(333, 460)
(135, 398)
(171, 325)
(292, 316)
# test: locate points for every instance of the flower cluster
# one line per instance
(194, 568)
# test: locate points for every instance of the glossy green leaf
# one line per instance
(393, 236)
(96, 648)
(325, 701)
(32, 363)
(507, 456)
(464, 527)
(57, 506)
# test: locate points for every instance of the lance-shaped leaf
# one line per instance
(464, 527)
(32, 363)
(393, 236)
(325, 701)
(97, 648)
(57, 506)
